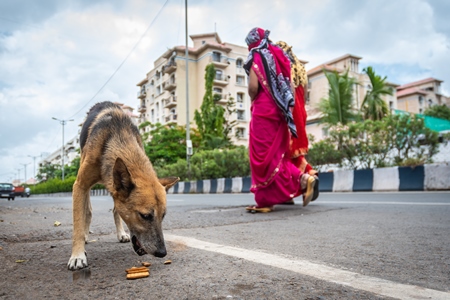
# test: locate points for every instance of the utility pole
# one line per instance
(18, 170)
(34, 164)
(63, 122)
(25, 169)
(188, 134)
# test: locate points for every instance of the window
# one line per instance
(420, 100)
(158, 90)
(240, 132)
(240, 97)
(157, 109)
(239, 63)
(152, 119)
(158, 75)
(217, 90)
(391, 104)
(172, 79)
(219, 75)
(240, 80)
(240, 115)
(216, 56)
(324, 132)
(420, 110)
(430, 102)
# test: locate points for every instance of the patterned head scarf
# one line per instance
(277, 69)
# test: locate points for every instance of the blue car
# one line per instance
(7, 191)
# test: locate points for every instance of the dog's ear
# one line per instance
(168, 182)
(122, 178)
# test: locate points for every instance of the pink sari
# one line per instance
(275, 179)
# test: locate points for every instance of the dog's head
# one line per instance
(141, 203)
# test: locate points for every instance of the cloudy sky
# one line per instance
(58, 58)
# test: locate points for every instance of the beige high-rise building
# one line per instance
(417, 96)
(162, 93)
(318, 88)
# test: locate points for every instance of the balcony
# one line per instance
(170, 85)
(170, 102)
(142, 108)
(219, 61)
(141, 94)
(221, 79)
(170, 67)
(172, 118)
(222, 98)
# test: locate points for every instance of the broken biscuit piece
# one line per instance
(146, 264)
(168, 262)
(138, 275)
(137, 270)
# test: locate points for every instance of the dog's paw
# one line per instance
(77, 262)
(123, 238)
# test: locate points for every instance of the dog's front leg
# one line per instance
(122, 236)
(78, 260)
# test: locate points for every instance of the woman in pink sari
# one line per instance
(275, 179)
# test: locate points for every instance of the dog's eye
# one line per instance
(147, 217)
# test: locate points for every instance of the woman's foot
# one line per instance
(307, 183)
(316, 189)
(255, 209)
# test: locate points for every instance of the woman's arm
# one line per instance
(253, 85)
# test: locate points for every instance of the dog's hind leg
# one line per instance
(122, 236)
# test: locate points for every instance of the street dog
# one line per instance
(112, 153)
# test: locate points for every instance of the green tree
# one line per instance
(438, 111)
(373, 106)
(338, 107)
(49, 171)
(210, 119)
(167, 144)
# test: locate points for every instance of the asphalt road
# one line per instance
(342, 246)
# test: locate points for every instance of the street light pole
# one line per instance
(188, 134)
(25, 169)
(34, 164)
(63, 122)
(18, 170)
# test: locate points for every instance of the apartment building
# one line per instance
(417, 96)
(318, 88)
(162, 93)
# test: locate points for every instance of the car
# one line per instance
(7, 191)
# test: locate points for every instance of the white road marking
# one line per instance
(392, 203)
(361, 282)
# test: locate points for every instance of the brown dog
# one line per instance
(112, 153)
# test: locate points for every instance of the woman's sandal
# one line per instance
(254, 209)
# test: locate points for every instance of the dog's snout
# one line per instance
(160, 253)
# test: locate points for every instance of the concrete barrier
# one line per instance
(420, 178)
(429, 177)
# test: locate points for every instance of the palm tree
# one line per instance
(373, 106)
(337, 108)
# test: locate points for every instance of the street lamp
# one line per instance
(25, 168)
(62, 122)
(34, 164)
(18, 171)
(188, 134)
